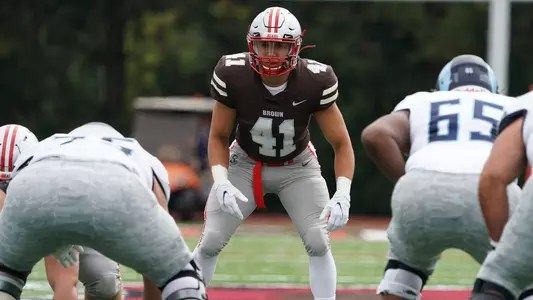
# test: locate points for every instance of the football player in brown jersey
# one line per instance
(271, 93)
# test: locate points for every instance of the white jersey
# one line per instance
(120, 150)
(452, 131)
(524, 107)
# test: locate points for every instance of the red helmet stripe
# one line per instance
(270, 13)
(4, 149)
(12, 148)
(276, 21)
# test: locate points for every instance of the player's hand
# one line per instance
(68, 255)
(336, 211)
(227, 195)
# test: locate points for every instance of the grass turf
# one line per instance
(277, 258)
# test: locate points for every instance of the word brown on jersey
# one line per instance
(273, 128)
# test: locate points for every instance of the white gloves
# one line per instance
(68, 255)
(226, 193)
(227, 196)
(338, 207)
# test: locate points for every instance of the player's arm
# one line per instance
(62, 280)
(222, 122)
(337, 209)
(159, 194)
(507, 159)
(386, 140)
(334, 129)
(3, 189)
(2, 198)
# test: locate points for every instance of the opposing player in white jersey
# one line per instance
(447, 136)
(507, 273)
(99, 274)
(96, 189)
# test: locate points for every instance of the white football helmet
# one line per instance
(467, 71)
(272, 26)
(14, 139)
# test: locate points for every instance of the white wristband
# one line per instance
(220, 173)
(344, 184)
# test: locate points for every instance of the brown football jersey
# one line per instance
(273, 128)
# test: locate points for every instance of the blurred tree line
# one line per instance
(63, 63)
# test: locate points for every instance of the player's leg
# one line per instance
(99, 275)
(475, 237)
(133, 229)
(151, 291)
(23, 220)
(63, 281)
(304, 195)
(505, 267)
(11, 282)
(416, 234)
(218, 225)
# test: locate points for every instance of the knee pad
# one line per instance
(486, 290)
(11, 282)
(188, 284)
(402, 280)
(99, 274)
(105, 287)
(316, 241)
(212, 242)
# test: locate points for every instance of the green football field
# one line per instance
(272, 255)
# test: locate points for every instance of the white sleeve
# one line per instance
(410, 101)
(514, 110)
(516, 105)
(405, 104)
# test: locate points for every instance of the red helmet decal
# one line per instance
(8, 148)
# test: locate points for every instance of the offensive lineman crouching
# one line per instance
(98, 189)
(100, 275)
(448, 135)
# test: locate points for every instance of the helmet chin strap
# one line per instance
(307, 47)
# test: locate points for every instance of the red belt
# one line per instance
(257, 180)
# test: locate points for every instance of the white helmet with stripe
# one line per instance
(272, 30)
(14, 139)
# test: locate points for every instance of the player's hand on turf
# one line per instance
(336, 211)
(68, 255)
(227, 195)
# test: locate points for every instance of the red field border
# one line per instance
(134, 292)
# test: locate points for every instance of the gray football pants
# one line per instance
(101, 205)
(434, 211)
(100, 275)
(510, 265)
(301, 189)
